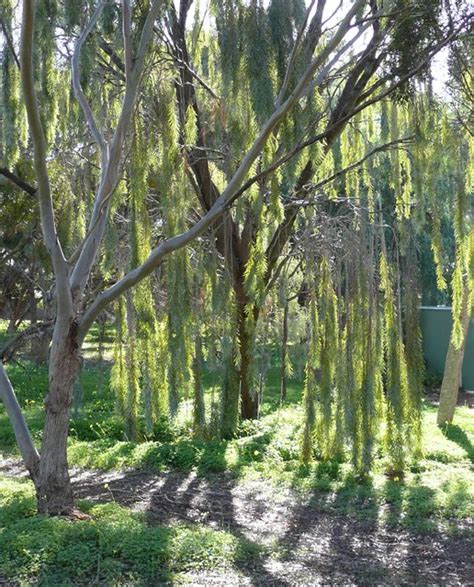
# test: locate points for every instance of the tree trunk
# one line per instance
(53, 488)
(20, 428)
(230, 398)
(453, 368)
(284, 355)
(199, 409)
(248, 396)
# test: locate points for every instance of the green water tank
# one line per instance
(436, 323)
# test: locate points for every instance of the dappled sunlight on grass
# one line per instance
(436, 491)
(456, 434)
(115, 545)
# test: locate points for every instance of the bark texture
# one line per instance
(53, 486)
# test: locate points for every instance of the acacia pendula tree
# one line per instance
(364, 55)
(75, 307)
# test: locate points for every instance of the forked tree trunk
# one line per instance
(453, 368)
(53, 486)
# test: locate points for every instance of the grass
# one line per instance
(114, 547)
(436, 494)
(437, 491)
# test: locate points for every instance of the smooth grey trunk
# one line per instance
(22, 434)
(53, 484)
(453, 368)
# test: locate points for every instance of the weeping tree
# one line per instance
(380, 352)
(364, 370)
(231, 78)
(462, 139)
(53, 119)
(368, 387)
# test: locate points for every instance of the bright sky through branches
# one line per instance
(333, 11)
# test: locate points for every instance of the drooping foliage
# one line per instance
(336, 217)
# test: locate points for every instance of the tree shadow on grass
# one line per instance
(411, 507)
(352, 534)
(356, 533)
(199, 497)
(333, 533)
(456, 434)
(206, 497)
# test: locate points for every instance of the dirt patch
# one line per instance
(301, 544)
(307, 546)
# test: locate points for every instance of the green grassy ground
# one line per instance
(114, 546)
(435, 489)
(435, 495)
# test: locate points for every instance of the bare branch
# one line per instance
(76, 81)
(21, 183)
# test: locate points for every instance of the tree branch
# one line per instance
(9, 347)
(225, 200)
(316, 186)
(25, 443)
(76, 82)
(16, 180)
(127, 36)
(110, 174)
(9, 40)
(48, 224)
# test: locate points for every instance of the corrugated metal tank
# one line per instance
(436, 323)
